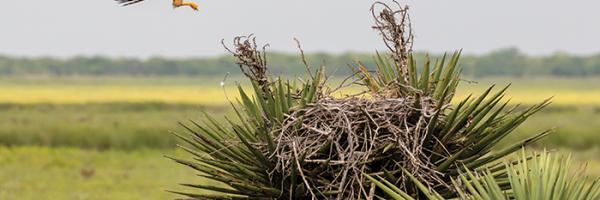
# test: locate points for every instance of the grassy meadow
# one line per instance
(71, 173)
(103, 138)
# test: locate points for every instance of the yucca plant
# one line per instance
(293, 139)
(537, 176)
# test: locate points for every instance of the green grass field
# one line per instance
(97, 126)
(68, 173)
(91, 138)
(148, 125)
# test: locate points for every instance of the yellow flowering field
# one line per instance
(208, 92)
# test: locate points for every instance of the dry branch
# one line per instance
(395, 29)
(251, 60)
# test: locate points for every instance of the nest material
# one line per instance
(335, 140)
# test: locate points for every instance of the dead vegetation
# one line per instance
(339, 139)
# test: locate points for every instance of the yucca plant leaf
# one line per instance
(424, 80)
(210, 196)
(541, 176)
(395, 193)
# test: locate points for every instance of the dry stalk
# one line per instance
(251, 60)
(395, 29)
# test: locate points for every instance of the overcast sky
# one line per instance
(100, 27)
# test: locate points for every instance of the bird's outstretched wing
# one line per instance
(176, 3)
(128, 2)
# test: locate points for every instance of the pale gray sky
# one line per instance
(101, 27)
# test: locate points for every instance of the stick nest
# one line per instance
(335, 140)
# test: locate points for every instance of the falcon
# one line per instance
(176, 3)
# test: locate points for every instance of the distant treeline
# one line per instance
(505, 62)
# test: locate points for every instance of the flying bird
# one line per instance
(176, 3)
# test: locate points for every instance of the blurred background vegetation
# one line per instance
(509, 62)
(96, 127)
